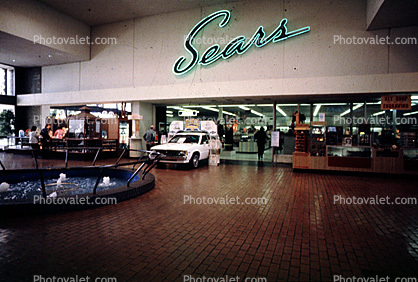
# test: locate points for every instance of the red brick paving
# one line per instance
(298, 235)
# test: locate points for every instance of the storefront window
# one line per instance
(3, 81)
(6, 80)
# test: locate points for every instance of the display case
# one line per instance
(343, 151)
(247, 144)
(301, 157)
(318, 141)
(364, 135)
(410, 154)
(410, 159)
(358, 158)
(301, 138)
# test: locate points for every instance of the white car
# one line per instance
(185, 147)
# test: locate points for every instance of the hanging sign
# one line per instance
(396, 102)
(238, 45)
(275, 138)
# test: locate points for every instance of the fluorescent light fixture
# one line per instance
(413, 113)
(378, 113)
(281, 111)
(333, 104)
(228, 113)
(210, 109)
(264, 105)
(169, 112)
(197, 106)
(318, 107)
(168, 115)
(175, 108)
(244, 108)
(354, 108)
(234, 106)
(257, 113)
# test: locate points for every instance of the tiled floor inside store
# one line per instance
(299, 234)
(236, 156)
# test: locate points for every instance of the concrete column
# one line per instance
(365, 110)
(274, 116)
(351, 118)
(220, 113)
(147, 111)
(45, 111)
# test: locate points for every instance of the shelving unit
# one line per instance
(301, 157)
(408, 139)
(301, 138)
(318, 139)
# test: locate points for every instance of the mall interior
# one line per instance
(334, 84)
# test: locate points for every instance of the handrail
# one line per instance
(66, 158)
(134, 174)
(2, 165)
(95, 158)
(121, 155)
(97, 181)
(41, 175)
(152, 155)
(35, 159)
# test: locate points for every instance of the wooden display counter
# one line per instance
(301, 160)
(83, 147)
(361, 159)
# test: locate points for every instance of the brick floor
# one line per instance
(298, 235)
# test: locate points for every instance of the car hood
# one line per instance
(174, 146)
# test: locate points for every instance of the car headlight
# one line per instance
(183, 153)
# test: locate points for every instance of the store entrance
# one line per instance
(239, 127)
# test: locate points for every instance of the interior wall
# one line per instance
(26, 19)
(27, 80)
(139, 67)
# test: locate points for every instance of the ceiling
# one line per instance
(98, 12)
(395, 13)
(19, 52)
(392, 13)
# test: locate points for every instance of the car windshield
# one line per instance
(180, 139)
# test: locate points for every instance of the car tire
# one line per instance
(194, 161)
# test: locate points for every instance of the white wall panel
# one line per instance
(140, 66)
(61, 78)
(111, 65)
(404, 57)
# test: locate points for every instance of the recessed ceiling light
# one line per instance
(49, 56)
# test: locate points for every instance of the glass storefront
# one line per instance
(357, 123)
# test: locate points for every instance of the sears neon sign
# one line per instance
(238, 45)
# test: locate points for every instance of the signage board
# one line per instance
(237, 46)
(396, 102)
(275, 138)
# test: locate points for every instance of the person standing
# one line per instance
(149, 137)
(260, 137)
(46, 134)
(33, 138)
